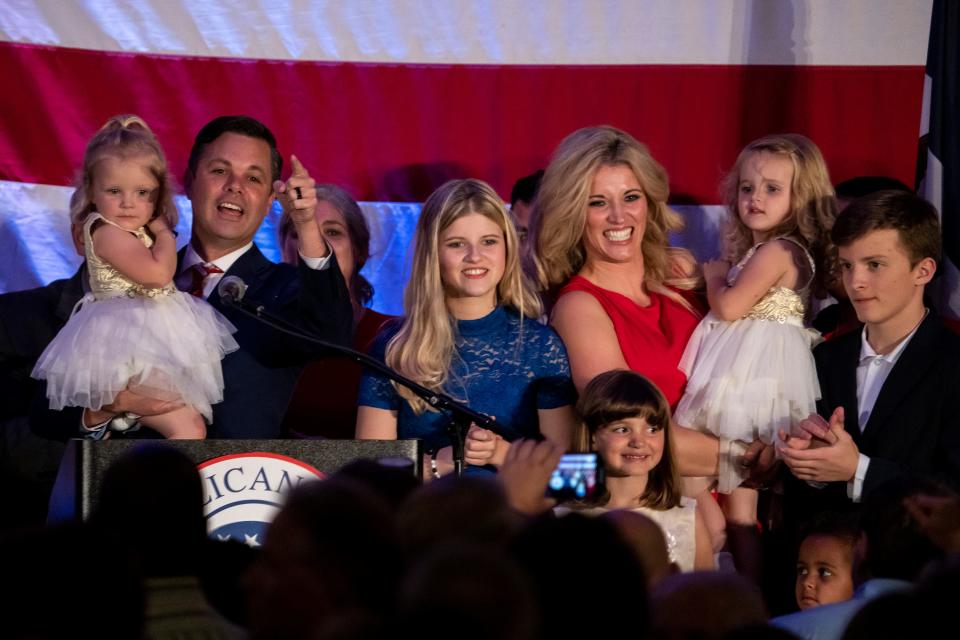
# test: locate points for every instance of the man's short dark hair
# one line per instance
(834, 524)
(525, 189)
(915, 220)
(864, 185)
(243, 125)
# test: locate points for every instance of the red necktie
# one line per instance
(198, 275)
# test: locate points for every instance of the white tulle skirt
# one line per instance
(168, 347)
(748, 378)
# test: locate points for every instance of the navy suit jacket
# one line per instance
(914, 428)
(29, 320)
(259, 377)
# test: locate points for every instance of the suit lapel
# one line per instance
(905, 375)
(251, 267)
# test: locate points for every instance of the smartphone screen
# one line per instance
(575, 478)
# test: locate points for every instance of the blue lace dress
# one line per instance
(500, 368)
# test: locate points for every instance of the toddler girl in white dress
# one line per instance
(135, 330)
(749, 364)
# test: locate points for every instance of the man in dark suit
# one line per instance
(232, 180)
(892, 390)
(28, 322)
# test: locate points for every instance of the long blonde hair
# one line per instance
(560, 210)
(423, 347)
(813, 202)
(123, 136)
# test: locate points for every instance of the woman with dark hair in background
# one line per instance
(324, 401)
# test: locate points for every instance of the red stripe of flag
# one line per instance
(394, 132)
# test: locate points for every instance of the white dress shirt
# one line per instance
(872, 372)
(191, 257)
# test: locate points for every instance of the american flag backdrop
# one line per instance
(939, 160)
(391, 98)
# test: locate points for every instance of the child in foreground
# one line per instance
(625, 419)
(825, 562)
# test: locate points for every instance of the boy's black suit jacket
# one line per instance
(914, 427)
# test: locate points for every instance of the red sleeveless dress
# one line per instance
(652, 338)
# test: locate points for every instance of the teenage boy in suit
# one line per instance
(892, 389)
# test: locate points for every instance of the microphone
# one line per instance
(231, 289)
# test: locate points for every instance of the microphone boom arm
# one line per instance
(460, 415)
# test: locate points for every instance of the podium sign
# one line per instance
(244, 481)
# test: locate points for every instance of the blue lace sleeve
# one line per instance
(555, 388)
(376, 390)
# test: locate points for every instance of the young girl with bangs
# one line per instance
(625, 419)
(470, 331)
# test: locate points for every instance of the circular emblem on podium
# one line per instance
(242, 492)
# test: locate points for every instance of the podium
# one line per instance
(244, 481)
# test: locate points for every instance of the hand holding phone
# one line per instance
(575, 478)
(525, 472)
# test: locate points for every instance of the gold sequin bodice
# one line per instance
(107, 282)
(779, 304)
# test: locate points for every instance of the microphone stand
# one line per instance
(459, 415)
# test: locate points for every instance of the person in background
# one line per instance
(850, 190)
(522, 195)
(825, 561)
(29, 320)
(324, 402)
(890, 556)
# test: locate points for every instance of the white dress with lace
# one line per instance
(160, 342)
(753, 376)
(679, 526)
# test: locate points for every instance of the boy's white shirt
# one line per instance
(872, 371)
